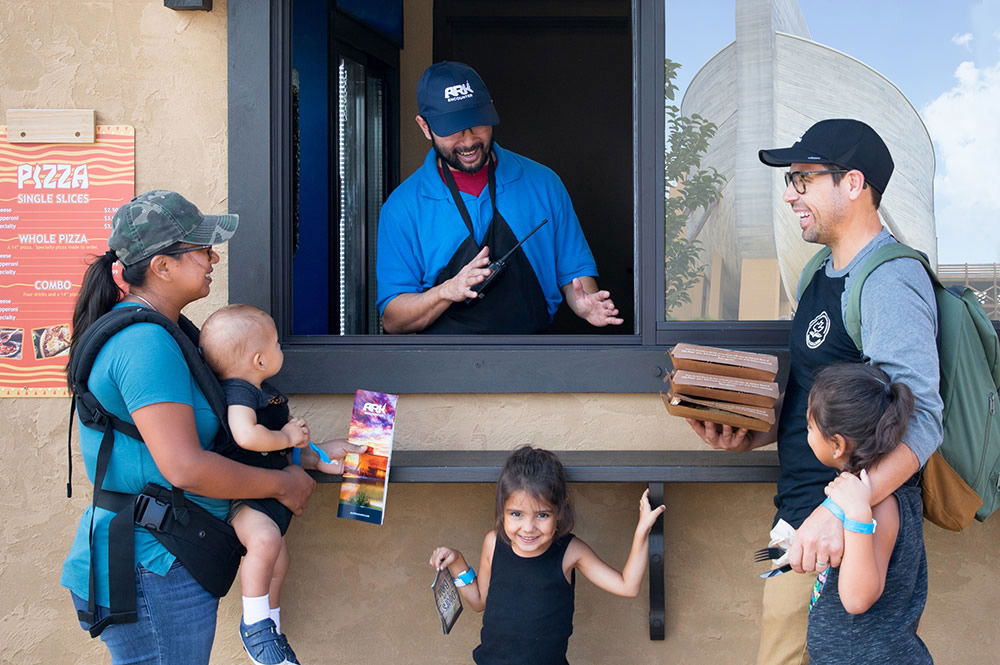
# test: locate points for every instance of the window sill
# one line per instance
(496, 364)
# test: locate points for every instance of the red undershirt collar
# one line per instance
(469, 183)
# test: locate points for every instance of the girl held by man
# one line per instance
(866, 610)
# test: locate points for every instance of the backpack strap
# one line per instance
(888, 252)
(812, 266)
(121, 541)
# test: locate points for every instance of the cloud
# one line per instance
(962, 40)
(963, 124)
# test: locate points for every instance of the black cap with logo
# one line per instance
(849, 144)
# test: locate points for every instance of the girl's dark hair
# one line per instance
(860, 403)
(539, 473)
(99, 292)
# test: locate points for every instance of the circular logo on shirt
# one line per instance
(818, 329)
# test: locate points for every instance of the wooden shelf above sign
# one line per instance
(50, 125)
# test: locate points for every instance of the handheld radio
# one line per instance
(496, 267)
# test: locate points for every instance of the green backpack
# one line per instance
(961, 480)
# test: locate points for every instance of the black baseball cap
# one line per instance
(451, 97)
(849, 144)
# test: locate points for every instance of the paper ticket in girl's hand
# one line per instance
(446, 600)
(366, 475)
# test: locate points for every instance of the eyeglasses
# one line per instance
(184, 250)
(798, 179)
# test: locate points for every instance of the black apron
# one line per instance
(818, 338)
(514, 302)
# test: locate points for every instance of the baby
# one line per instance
(240, 344)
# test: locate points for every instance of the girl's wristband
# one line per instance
(830, 505)
(466, 578)
(860, 527)
(849, 524)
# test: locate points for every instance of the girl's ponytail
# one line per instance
(895, 401)
(892, 425)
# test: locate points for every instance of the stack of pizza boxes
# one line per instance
(734, 388)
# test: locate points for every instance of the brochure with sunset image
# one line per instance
(366, 475)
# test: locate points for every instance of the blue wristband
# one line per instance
(297, 456)
(837, 511)
(860, 527)
(466, 578)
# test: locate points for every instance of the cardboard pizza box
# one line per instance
(724, 388)
(753, 418)
(713, 360)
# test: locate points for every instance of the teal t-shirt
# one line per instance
(139, 366)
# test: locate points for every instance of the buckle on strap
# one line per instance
(150, 512)
(90, 410)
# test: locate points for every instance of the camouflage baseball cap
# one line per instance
(153, 221)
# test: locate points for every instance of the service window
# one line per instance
(706, 249)
(317, 142)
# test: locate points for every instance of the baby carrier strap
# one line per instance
(129, 509)
(86, 349)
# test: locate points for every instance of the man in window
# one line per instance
(837, 172)
(449, 259)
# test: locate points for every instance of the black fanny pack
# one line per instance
(207, 546)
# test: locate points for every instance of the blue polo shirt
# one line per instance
(137, 367)
(420, 228)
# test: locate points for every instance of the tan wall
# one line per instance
(359, 593)
(418, 32)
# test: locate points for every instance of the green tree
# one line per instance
(361, 499)
(687, 187)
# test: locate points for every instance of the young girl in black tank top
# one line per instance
(526, 571)
(866, 611)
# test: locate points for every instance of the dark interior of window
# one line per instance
(345, 105)
(561, 78)
(557, 58)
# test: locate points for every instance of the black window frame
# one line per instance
(259, 53)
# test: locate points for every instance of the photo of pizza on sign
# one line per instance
(10, 342)
(51, 341)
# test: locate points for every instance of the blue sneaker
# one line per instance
(263, 643)
(289, 654)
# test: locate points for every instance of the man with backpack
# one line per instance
(837, 173)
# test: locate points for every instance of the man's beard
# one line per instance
(452, 160)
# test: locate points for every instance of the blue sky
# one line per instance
(943, 54)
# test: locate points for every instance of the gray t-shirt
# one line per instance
(899, 336)
(887, 632)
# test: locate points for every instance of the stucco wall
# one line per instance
(359, 593)
(164, 72)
